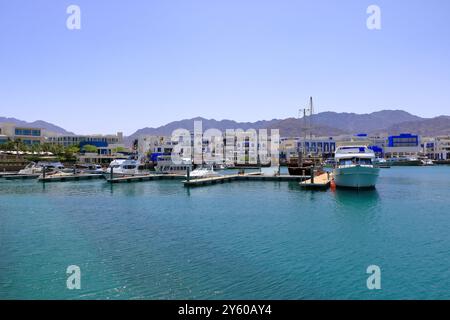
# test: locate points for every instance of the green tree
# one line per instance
(90, 148)
(20, 145)
(8, 145)
(35, 147)
(70, 153)
(118, 149)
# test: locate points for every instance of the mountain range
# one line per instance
(322, 124)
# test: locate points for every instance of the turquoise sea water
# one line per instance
(240, 240)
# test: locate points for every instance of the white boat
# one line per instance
(123, 167)
(380, 163)
(89, 168)
(404, 161)
(165, 165)
(354, 167)
(203, 173)
(37, 168)
(427, 162)
(56, 173)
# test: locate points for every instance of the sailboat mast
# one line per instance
(311, 112)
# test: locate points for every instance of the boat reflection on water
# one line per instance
(365, 199)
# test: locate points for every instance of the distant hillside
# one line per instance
(364, 123)
(37, 124)
(425, 127)
(293, 127)
(324, 124)
(206, 124)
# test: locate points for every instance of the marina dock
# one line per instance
(320, 182)
(20, 176)
(74, 177)
(6, 173)
(241, 177)
(147, 177)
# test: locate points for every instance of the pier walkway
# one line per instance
(20, 176)
(255, 176)
(146, 177)
(321, 182)
(73, 177)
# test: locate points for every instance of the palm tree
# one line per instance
(20, 145)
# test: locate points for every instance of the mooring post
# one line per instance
(111, 174)
(43, 173)
(188, 173)
(312, 174)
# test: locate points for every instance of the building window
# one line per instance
(28, 132)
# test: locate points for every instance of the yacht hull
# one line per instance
(358, 177)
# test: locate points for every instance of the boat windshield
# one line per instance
(355, 161)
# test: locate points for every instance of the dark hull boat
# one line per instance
(300, 171)
(303, 167)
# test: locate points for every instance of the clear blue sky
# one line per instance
(145, 63)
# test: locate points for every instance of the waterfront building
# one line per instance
(315, 146)
(154, 146)
(28, 135)
(104, 155)
(437, 148)
(107, 146)
(100, 141)
(403, 145)
(242, 149)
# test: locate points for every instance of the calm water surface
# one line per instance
(246, 240)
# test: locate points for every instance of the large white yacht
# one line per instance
(123, 167)
(354, 167)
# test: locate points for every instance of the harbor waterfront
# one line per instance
(240, 240)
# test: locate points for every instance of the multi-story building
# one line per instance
(28, 135)
(437, 148)
(100, 141)
(154, 146)
(242, 149)
(107, 146)
(403, 145)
